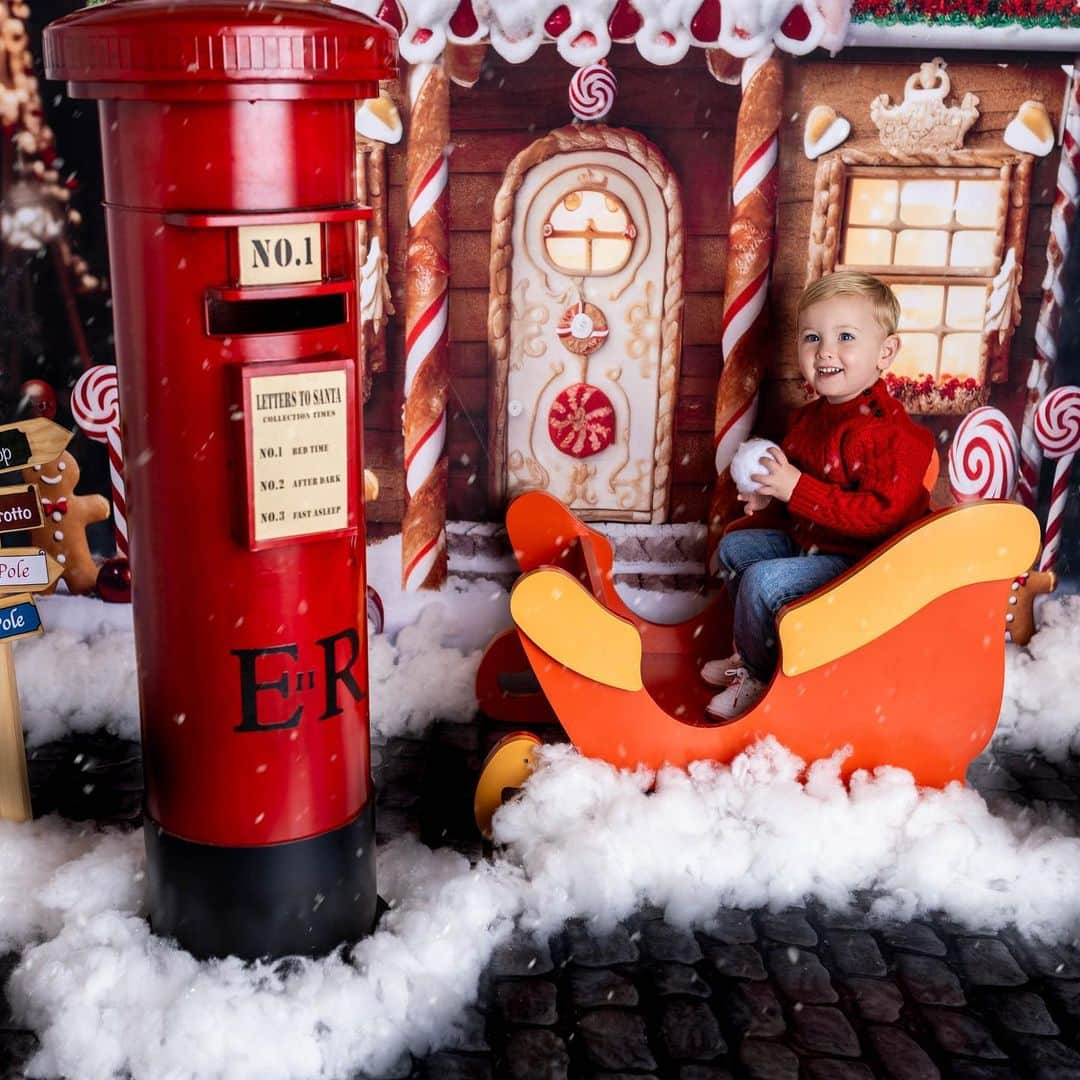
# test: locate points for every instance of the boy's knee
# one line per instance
(765, 582)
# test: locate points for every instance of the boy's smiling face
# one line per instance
(843, 349)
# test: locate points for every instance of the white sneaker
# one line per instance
(740, 697)
(722, 672)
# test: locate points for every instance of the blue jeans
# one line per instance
(764, 570)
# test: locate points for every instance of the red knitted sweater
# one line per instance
(862, 465)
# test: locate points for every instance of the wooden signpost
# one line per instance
(23, 571)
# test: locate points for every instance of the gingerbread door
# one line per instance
(585, 327)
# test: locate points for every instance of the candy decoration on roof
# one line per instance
(427, 373)
(1057, 427)
(1062, 217)
(95, 405)
(592, 92)
(750, 247)
(983, 457)
(1030, 130)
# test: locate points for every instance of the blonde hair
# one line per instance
(854, 283)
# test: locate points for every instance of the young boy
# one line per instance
(850, 472)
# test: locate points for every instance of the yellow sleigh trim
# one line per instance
(979, 542)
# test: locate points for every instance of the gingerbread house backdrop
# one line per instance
(603, 307)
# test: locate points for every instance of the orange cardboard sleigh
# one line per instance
(902, 658)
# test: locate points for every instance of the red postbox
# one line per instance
(229, 166)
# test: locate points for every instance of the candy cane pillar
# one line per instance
(1062, 217)
(427, 373)
(750, 248)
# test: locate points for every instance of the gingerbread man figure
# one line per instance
(67, 515)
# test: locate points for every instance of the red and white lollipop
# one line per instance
(984, 456)
(592, 91)
(1057, 429)
(95, 404)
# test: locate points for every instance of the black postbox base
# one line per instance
(304, 897)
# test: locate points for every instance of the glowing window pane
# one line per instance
(966, 307)
(868, 247)
(977, 203)
(973, 249)
(927, 202)
(873, 202)
(921, 247)
(961, 355)
(920, 305)
(568, 253)
(609, 255)
(917, 356)
(589, 231)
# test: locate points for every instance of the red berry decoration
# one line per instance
(581, 421)
(114, 581)
(705, 25)
(558, 21)
(37, 398)
(797, 24)
(625, 21)
(463, 22)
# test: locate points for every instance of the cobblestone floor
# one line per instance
(797, 994)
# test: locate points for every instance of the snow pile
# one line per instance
(479, 608)
(583, 840)
(79, 676)
(1041, 708)
(417, 680)
(107, 998)
(767, 832)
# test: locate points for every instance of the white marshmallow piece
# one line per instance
(747, 463)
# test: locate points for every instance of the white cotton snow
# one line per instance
(107, 998)
(765, 832)
(747, 463)
(582, 841)
(78, 676)
(1041, 708)
(416, 680)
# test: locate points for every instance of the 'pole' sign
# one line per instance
(19, 618)
(27, 570)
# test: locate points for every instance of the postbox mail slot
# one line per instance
(299, 449)
(277, 315)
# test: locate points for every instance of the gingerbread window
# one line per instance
(948, 239)
(589, 232)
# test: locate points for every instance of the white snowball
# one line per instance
(747, 463)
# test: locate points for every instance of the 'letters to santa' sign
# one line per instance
(300, 447)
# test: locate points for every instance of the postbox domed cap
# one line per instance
(211, 49)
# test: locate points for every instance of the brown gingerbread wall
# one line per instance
(848, 83)
(691, 118)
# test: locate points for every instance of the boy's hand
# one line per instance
(755, 501)
(779, 477)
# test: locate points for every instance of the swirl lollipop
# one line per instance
(1057, 428)
(592, 91)
(984, 456)
(95, 404)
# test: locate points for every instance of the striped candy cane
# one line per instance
(95, 404)
(1057, 427)
(1046, 330)
(750, 249)
(427, 382)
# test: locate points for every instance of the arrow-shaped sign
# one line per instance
(20, 508)
(27, 570)
(19, 617)
(31, 442)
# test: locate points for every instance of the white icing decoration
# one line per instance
(581, 326)
(1004, 298)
